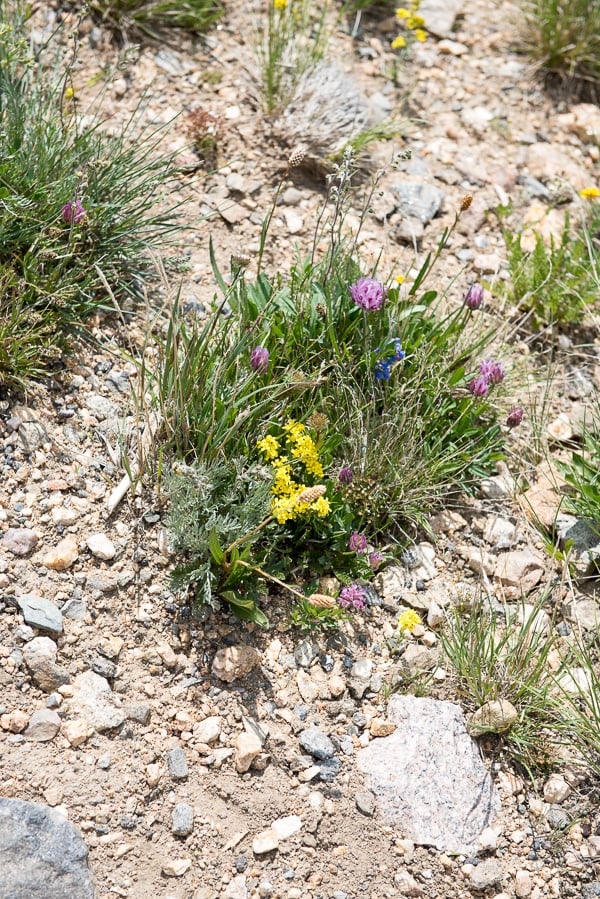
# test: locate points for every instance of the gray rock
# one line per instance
(178, 768)
(182, 820)
(591, 890)
(19, 541)
(365, 803)
(42, 855)
(140, 712)
(317, 743)
(419, 201)
(103, 667)
(31, 436)
(75, 609)
(325, 113)
(487, 874)
(40, 613)
(102, 581)
(328, 769)
(304, 653)
(440, 794)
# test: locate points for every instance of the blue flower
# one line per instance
(384, 367)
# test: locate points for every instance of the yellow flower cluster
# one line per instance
(280, 4)
(412, 22)
(287, 503)
(590, 193)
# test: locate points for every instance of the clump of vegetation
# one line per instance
(79, 215)
(363, 402)
(564, 38)
(555, 284)
(150, 18)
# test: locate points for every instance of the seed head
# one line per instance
(321, 601)
(296, 157)
(466, 202)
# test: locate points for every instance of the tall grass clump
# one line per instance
(292, 41)
(564, 39)
(360, 404)
(80, 211)
(151, 18)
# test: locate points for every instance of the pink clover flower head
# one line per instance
(357, 542)
(353, 596)
(478, 386)
(73, 212)
(375, 560)
(515, 416)
(345, 475)
(368, 293)
(473, 298)
(259, 358)
(492, 371)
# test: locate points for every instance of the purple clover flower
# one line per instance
(473, 298)
(345, 475)
(478, 386)
(73, 212)
(375, 560)
(259, 358)
(492, 371)
(354, 596)
(357, 542)
(368, 293)
(515, 416)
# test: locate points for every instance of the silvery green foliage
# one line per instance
(227, 499)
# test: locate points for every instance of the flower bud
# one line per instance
(515, 417)
(473, 298)
(259, 358)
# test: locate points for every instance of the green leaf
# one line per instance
(215, 548)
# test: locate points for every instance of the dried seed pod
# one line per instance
(321, 601)
(296, 157)
(312, 493)
(465, 202)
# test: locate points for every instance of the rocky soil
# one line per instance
(203, 759)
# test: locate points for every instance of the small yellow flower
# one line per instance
(269, 447)
(399, 279)
(420, 34)
(415, 22)
(589, 193)
(402, 13)
(408, 621)
(398, 43)
(280, 4)
(69, 93)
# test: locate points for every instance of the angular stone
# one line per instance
(496, 716)
(19, 541)
(176, 867)
(419, 201)
(182, 820)
(94, 700)
(286, 827)
(64, 554)
(43, 855)
(365, 803)
(40, 657)
(265, 842)
(40, 613)
(556, 789)
(139, 712)
(440, 15)
(585, 612)
(440, 794)
(233, 662)
(307, 689)
(522, 568)
(44, 725)
(407, 885)
(247, 747)
(381, 728)
(77, 732)
(582, 120)
(317, 743)
(487, 874)
(541, 502)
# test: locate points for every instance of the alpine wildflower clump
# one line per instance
(412, 24)
(295, 455)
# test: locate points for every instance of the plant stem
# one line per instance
(271, 577)
(247, 536)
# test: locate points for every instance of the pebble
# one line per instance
(40, 657)
(248, 747)
(523, 884)
(487, 874)
(178, 768)
(317, 743)
(556, 789)
(101, 547)
(43, 725)
(176, 867)
(234, 662)
(365, 803)
(182, 820)
(284, 828)
(19, 541)
(208, 730)
(265, 842)
(63, 556)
